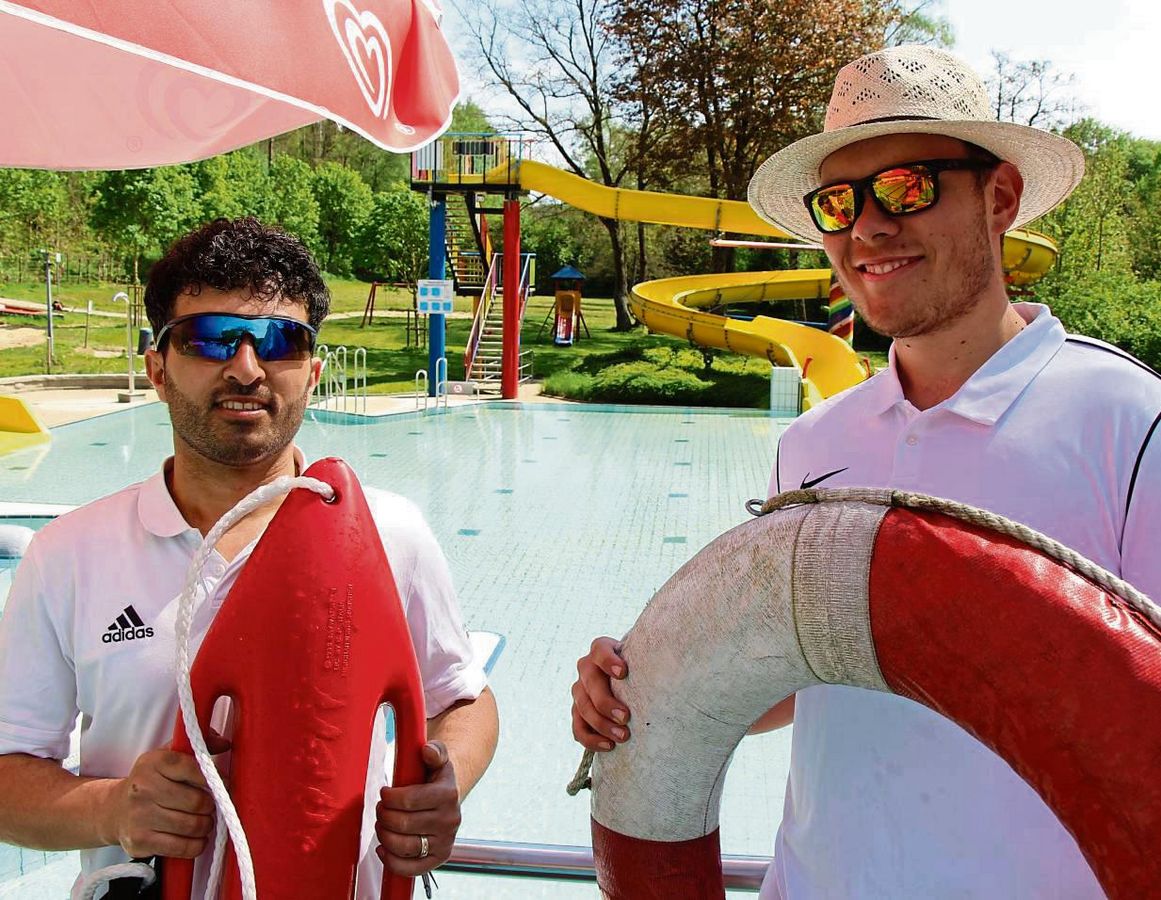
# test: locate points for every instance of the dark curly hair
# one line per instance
(227, 254)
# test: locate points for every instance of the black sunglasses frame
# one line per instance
(165, 330)
(860, 187)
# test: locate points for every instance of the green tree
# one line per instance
(142, 211)
(1092, 226)
(34, 212)
(469, 116)
(233, 184)
(291, 203)
(559, 236)
(392, 241)
(344, 200)
(1144, 171)
(737, 80)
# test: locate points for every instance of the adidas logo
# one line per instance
(127, 627)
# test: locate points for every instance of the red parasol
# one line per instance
(120, 84)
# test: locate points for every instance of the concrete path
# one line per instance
(60, 406)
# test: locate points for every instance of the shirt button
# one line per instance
(912, 440)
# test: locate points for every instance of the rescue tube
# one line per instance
(310, 641)
(1053, 671)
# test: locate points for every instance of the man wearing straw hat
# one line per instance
(912, 187)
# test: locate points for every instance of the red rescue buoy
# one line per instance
(310, 641)
(1052, 669)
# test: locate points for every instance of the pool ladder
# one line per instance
(421, 386)
(343, 383)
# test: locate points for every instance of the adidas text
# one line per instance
(129, 634)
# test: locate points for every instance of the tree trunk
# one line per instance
(722, 260)
(624, 319)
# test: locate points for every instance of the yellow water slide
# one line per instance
(19, 427)
(677, 305)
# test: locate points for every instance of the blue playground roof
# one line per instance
(568, 273)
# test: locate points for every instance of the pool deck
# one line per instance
(60, 406)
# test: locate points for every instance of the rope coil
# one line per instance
(1098, 575)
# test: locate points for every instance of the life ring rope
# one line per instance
(974, 516)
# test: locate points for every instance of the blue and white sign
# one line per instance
(435, 296)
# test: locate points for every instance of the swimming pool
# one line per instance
(559, 521)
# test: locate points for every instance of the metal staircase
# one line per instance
(487, 363)
(483, 359)
(468, 245)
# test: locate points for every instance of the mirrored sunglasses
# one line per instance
(217, 336)
(898, 191)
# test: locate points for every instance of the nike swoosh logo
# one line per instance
(821, 478)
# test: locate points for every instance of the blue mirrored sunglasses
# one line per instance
(217, 336)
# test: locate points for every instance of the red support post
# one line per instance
(510, 350)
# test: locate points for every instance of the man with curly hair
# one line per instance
(236, 307)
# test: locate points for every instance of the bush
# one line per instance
(665, 376)
(1114, 308)
(644, 382)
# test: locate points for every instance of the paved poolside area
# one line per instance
(60, 406)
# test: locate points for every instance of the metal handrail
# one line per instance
(459, 154)
(421, 387)
(441, 381)
(564, 862)
(360, 379)
(337, 383)
(482, 308)
(333, 384)
(525, 283)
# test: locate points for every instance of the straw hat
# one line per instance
(913, 90)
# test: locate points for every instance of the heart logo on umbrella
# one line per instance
(365, 44)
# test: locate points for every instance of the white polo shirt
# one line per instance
(887, 799)
(89, 629)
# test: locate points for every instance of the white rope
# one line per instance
(87, 887)
(1100, 576)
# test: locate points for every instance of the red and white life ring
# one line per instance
(308, 644)
(836, 592)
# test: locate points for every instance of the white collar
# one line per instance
(158, 513)
(995, 385)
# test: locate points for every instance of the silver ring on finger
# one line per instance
(424, 849)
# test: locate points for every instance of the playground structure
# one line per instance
(567, 319)
(460, 245)
(478, 165)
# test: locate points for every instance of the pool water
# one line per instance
(559, 521)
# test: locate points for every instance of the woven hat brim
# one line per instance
(1052, 166)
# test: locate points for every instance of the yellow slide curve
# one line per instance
(674, 305)
(19, 427)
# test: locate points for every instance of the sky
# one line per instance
(1113, 47)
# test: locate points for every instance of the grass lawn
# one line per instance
(608, 366)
